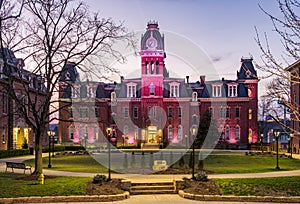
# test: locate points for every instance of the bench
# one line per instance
(16, 165)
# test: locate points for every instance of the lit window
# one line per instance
(136, 132)
(250, 114)
(71, 134)
(170, 132)
(96, 133)
(179, 135)
(195, 96)
(217, 91)
(113, 97)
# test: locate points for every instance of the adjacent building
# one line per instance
(157, 108)
(294, 70)
(15, 133)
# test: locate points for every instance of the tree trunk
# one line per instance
(38, 166)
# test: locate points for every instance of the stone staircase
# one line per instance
(152, 188)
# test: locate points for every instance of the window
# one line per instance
(232, 90)
(179, 112)
(4, 135)
(71, 133)
(80, 132)
(211, 112)
(126, 130)
(83, 112)
(227, 133)
(113, 97)
(222, 112)
(174, 89)
(96, 132)
(136, 132)
(86, 134)
(4, 103)
(152, 89)
(237, 112)
(126, 112)
(152, 112)
(179, 135)
(157, 67)
(194, 96)
(217, 91)
(194, 120)
(97, 112)
(170, 112)
(170, 132)
(131, 90)
(227, 112)
(91, 91)
(237, 132)
(135, 112)
(146, 67)
(250, 114)
(75, 92)
(71, 112)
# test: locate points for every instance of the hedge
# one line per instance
(13, 153)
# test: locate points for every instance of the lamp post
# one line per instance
(85, 138)
(108, 131)
(261, 142)
(193, 131)
(123, 136)
(50, 134)
(291, 144)
(276, 133)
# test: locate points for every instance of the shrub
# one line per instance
(201, 176)
(99, 178)
(13, 152)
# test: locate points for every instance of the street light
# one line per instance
(108, 131)
(261, 142)
(50, 134)
(193, 131)
(276, 133)
(291, 144)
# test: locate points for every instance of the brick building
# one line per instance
(294, 69)
(15, 133)
(157, 108)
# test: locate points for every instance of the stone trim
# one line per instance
(277, 199)
(53, 199)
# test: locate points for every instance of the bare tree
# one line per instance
(287, 26)
(59, 32)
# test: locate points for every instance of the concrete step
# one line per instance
(151, 146)
(152, 188)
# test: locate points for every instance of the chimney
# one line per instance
(223, 79)
(187, 79)
(202, 79)
(122, 78)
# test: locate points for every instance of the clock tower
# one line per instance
(152, 61)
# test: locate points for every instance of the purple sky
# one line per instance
(223, 29)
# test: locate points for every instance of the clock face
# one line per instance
(151, 43)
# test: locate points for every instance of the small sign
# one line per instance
(160, 165)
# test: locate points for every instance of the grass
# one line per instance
(76, 163)
(281, 186)
(14, 185)
(218, 164)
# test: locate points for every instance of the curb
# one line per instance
(277, 199)
(54, 199)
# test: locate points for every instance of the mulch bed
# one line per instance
(201, 187)
(112, 187)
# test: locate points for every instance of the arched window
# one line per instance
(71, 132)
(194, 96)
(227, 133)
(126, 130)
(113, 97)
(170, 132)
(237, 132)
(179, 135)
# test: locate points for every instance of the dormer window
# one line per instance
(75, 92)
(131, 90)
(113, 97)
(91, 91)
(232, 90)
(174, 89)
(217, 90)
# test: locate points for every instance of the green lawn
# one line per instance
(281, 186)
(12, 185)
(218, 164)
